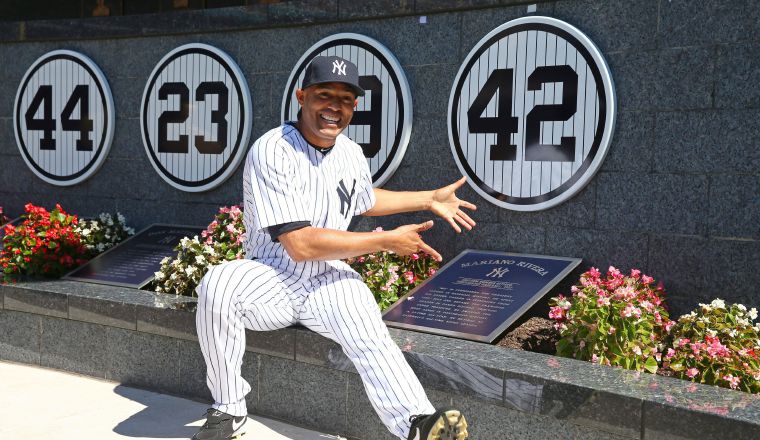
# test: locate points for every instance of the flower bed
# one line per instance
(51, 243)
(622, 321)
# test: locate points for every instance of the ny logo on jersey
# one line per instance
(345, 197)
(340, 66)
(497, 272)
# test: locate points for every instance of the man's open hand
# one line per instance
(448, 206)
(406, 240)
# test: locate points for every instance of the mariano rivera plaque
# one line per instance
(64, 117)
(196, 117)
(531, 113)
(382, 121)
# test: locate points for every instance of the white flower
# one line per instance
(130, 231)
(752, 313)
(733, 333)
(718, 303)
(104, 217)
(743, 322)
(159, 276)
(200, 260)
(741, 307)
(189, 271)
(121, 218)
(86, 232)
(101, 247)
(711, 332)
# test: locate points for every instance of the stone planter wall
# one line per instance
(147, 340)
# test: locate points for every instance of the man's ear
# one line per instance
(356, 102)
(299, 96)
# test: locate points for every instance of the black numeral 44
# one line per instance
(44, 98)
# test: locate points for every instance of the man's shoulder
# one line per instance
(279, 138)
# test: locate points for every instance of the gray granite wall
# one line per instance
(677, 195)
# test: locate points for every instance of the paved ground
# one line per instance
(38, 403)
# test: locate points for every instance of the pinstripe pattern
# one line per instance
(287, 180)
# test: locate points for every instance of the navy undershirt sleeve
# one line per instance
(276, 230)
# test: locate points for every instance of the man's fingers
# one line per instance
(454, 225)
(467, 205)
(459, 183)
(464, 223)
(466, 218)
(430, 251)
(425, 226)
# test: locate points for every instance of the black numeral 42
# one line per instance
(504, 124)
(83, 125)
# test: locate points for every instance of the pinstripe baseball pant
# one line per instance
(245, 293)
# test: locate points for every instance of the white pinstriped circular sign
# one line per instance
(531, 113)
(64, 117)
(196, 117)
(382, 121)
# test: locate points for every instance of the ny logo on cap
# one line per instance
(340, 65)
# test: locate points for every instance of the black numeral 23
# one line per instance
(44, 98)
(218, 116)
(504, 124)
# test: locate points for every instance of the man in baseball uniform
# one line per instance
(303, 182)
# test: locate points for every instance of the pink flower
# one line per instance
(671, 353)
(602, 301)
(431, 272)
(415, 257)
(557, 313)
(594, 272)
(645, 279)
(696, 347)
(614, 272)
(574, 290)
(733, 381)
(716, 349)
(683, 341)
(692, 372)
(635, 273)
(669, 325)
(360, 259)
(637, 350)
(594, 359)
(410, 276)
(378, 229)
(611, 331)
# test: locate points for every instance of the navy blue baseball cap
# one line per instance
(332, 69)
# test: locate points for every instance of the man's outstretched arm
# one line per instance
(442, 202)
(309, 243)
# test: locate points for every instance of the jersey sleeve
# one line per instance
(366, 194)
(277, 188)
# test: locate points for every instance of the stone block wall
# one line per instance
(677, 195)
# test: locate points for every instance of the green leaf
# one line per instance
(651, 365)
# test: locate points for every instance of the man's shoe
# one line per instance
(220, 426)
(444, 424)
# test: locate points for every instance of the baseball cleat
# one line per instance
(444, 424)
(221, 426)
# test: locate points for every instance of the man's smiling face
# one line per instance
(326, 110)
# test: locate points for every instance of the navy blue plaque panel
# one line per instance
(479, 294)
(133, 262)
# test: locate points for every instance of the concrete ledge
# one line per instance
(148, 340)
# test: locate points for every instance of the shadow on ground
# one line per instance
(161, 417)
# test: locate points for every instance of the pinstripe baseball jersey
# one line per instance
(287, 180)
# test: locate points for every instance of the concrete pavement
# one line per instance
(38, 403)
